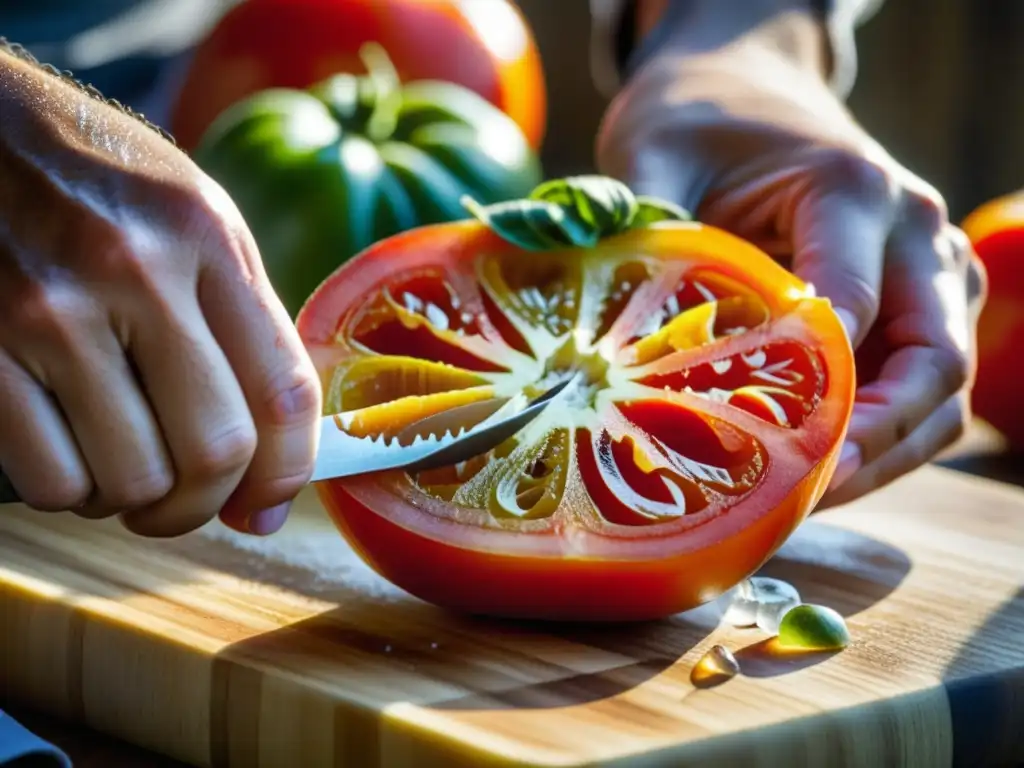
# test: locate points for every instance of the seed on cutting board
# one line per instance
(714, 667)
(813, 627)
(762, 601)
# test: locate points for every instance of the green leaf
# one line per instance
(532, 225)
(652, 210)
(577, 211)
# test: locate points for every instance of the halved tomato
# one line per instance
(710, 393)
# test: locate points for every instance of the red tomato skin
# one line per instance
(261, 44)
(996, 396)
(996, 230)
(646, 574)
(598, 589)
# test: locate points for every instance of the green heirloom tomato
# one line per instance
(320, 174)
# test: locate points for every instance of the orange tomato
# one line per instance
(484, 45)
(996, 229)
(710, 393)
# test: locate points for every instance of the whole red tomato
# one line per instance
(996, 230)
(484, 45)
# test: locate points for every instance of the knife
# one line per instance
(416, 447)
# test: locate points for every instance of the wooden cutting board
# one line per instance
(221, 650)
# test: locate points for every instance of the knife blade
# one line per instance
(415, 448)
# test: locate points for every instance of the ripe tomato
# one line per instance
(484, 45)
(711, 392)
(996, 230)
(320, 174)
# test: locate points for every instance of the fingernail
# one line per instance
(849, 463)
(849, 322)
(268, 521)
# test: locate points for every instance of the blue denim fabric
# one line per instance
(20, 746)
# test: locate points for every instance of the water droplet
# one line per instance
(761, 601)
(433, 646)
(714, 667)
(387, 649)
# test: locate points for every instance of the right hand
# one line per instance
(147, 368)
(751, 137)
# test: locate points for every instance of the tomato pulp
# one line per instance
(484, 45)
(710, 393)
(996, 230)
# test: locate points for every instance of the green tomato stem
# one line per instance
(577, 211)
(387, 95)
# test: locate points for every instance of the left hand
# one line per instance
(757, 144)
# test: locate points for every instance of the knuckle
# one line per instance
(865, 179)
(927, 209)
(952, 368)
(294, 398)
(46, 311)
(977, 279)
(132, 259)
(963, 250)
(209, 212)
(226, 454)
(140, 491)
(115, 252)
(60, 493)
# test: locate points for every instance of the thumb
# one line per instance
(839, 247)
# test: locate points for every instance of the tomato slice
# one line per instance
(711, 392)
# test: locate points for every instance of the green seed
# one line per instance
(813, 627)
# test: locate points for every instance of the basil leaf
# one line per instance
(577, 211)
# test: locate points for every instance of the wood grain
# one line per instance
(219, 650)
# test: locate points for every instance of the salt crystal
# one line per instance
(761, 601)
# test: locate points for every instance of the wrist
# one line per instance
(790, 31)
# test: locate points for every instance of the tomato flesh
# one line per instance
(710, 393)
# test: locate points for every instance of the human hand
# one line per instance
(147, 367)
(752, 139)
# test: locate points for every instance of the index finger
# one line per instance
(839, 247)
(277, 377)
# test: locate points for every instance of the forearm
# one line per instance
(815, 34)
(793, 29)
